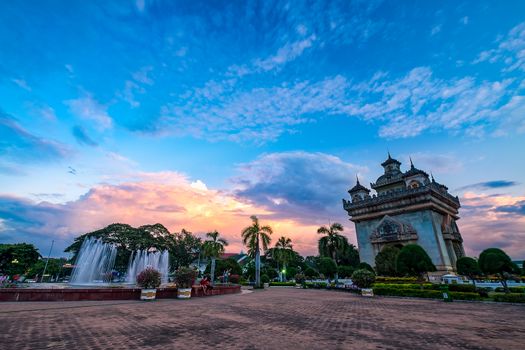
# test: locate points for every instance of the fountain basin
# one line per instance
(77, 294)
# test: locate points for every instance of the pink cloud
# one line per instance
(485, 223)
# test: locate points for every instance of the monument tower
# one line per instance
(408, 207)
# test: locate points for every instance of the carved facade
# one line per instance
(409, 207)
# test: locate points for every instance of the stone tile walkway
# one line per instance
(278, 318)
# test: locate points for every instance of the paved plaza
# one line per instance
(278, 318)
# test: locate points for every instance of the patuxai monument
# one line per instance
(408, 207)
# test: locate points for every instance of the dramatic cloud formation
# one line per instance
(167, 198)
(300, 185)
(493, 221)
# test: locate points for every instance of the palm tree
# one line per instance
(252, 236)
(333, 242)
(282, 253)
(213, 248)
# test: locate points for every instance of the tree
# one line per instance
(386, 261)
(213, 247)
(349, 256)
(365, 266)
(468, 267)
(16, 259)
(184, 248)
(327, 267)
(345, 271)
(252, 237)
(332, 243)
(412, 260)
(282, 254)
(225, 264)
(494, 261)
(54, 268)
(363, 278)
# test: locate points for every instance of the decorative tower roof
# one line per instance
(358, 187)
(414, 171)
(390, 160)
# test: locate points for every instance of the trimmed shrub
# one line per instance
(363, 278)
(466, 288)
(407, 292)
(282, 284)
(148, 278)
(511, 289)
(316, 285)
(383, 279)
(465, 296)
(510, 298)
(310, 273)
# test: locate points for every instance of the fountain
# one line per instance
(142, 259)
(95, 259)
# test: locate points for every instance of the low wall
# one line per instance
(76, 294)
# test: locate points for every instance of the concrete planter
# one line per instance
(184, 293)
(367, 292)
(266, 285)
(148, 294)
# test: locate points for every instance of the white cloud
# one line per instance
(285, 54)
(21, 83)
(510, 50)
(90, 109)
(436, 29)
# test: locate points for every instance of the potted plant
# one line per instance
(299, 280)
(148, 280)
(265, 280)
(184, 278)
(364, 279)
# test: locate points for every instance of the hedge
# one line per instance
(407, 292)
(510, 297)
(464, 288)
(316, 285)
(422, 293)
(512, 289)
(383, 279)
(282, 284)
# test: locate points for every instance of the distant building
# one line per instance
(409, 207)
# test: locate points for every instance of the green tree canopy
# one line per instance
(327, 267)
(363, 278)
(469, 267)
(494, 261)
(386, 261)
(253, 236)
(412, 260)
(16, 259)
(333, 243)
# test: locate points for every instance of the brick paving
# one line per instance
(278, 318)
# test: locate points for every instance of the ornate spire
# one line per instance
(411, 163)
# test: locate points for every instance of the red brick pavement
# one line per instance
(278, 318)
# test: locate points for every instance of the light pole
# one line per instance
(47, 261)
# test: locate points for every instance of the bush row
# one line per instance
(510, 298)
(383, 279)
(282, 284)
(423, 293)
(512, 289)
(464, 288)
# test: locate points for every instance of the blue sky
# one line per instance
(262, 103)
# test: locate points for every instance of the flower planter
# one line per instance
(367, 292)
(148, 294)
(184, 293)
(266, 285)
(298, 286)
